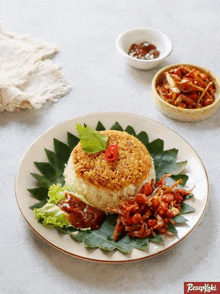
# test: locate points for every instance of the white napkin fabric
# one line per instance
(28, 78)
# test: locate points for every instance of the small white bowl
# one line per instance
(139, 35)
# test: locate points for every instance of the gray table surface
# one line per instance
(101, 81)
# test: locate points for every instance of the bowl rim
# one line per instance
(120, 50)
(184, 110)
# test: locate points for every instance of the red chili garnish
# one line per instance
(111, 152)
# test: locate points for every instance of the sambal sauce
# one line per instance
(80, 214)
(144, 50)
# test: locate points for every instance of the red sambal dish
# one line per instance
(144, 51)
(187, 87)
(80, 214)
(151, 211)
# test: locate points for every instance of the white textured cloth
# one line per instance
(28, 78)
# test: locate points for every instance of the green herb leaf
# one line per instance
(91, 140)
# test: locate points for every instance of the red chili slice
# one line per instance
(111, 152)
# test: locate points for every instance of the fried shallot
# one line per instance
(187, 87)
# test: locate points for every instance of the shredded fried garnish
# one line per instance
(187, 87)
(149, 213)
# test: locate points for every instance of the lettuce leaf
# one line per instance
(51, 214)
(71, 189)
(55, 193)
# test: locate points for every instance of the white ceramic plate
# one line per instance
(194, 169)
